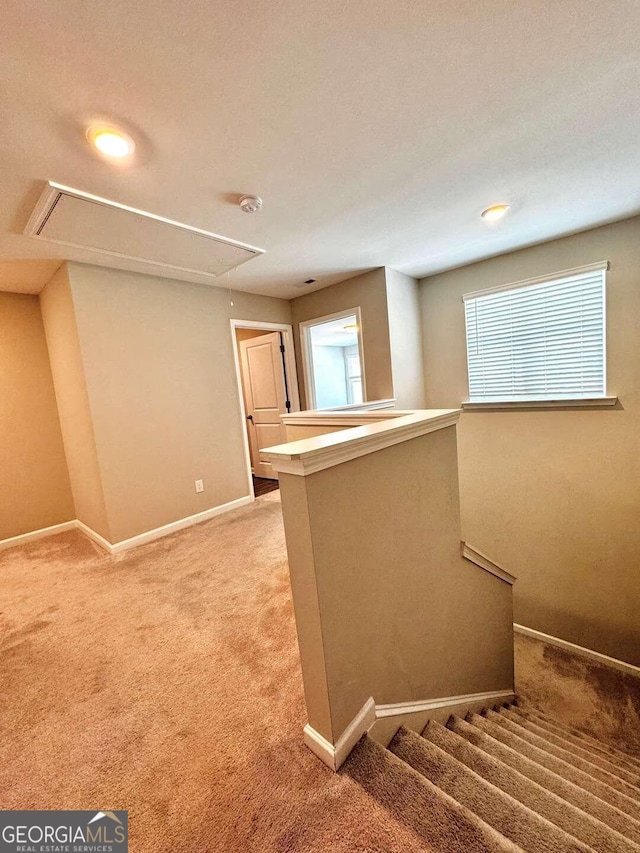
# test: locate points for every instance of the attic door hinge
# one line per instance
(281, 347)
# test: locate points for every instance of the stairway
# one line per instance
(512, 779)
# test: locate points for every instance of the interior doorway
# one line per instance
(268, 388)
(333, 360)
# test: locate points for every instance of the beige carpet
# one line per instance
(166, 681)
(482, 778)
(579, 692)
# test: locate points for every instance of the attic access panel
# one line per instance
(74, 218)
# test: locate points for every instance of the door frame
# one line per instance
(292, 376)
(307, 364)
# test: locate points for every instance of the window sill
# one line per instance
(575, 403)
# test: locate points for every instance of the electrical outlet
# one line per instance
(199, 485)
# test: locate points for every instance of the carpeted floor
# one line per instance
(511, 777)
(601, 701)
(166, 681)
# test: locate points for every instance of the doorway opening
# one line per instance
(267, 388)
(333, 362)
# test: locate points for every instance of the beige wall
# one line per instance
(554, 495)
(67, 367)
(298, 432)
(385, 604)
(34, 484)
(159, 370)
(368, 292)
(405, 335)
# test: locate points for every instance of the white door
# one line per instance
(265, 396)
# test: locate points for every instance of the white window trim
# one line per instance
(604, 401)
(568, 403)
(307, 363)
(540, 279)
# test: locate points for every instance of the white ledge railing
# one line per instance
(309, 455)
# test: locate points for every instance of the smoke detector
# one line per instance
(250, 203)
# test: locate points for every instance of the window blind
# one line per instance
(538, 340)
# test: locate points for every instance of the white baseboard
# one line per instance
(134, 541)
(401, 708)
(174, 526)
(92, 534)
(415, 715)
(24, 538)
(598, 657)
(474, 556)
(332, 755)
(383, 721)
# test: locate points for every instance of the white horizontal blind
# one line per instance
(538, 341)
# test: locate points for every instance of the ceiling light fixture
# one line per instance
(351, 327)
(495, 212)
(113, 143)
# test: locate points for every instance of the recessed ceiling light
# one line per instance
(495, 212)
(110, 142)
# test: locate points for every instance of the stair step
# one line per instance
(444, 825)
(568, 756)
(581, 738)
(563, 768)
(513, 780)
(509, 816)
(546, 778)
(602, 761)
(573, 820)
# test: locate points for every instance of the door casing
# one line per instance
(292, 377)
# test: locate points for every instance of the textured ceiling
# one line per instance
(26, 276)
(375, 132)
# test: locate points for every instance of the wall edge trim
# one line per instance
(397, 709)
(598, 657)
(179, 524)
(332, 755)
(479, 559)
(134, 541)
(40, 533)
(92, 534)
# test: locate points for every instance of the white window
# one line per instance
(541, 339)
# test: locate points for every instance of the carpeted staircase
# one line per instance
(511, 780)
